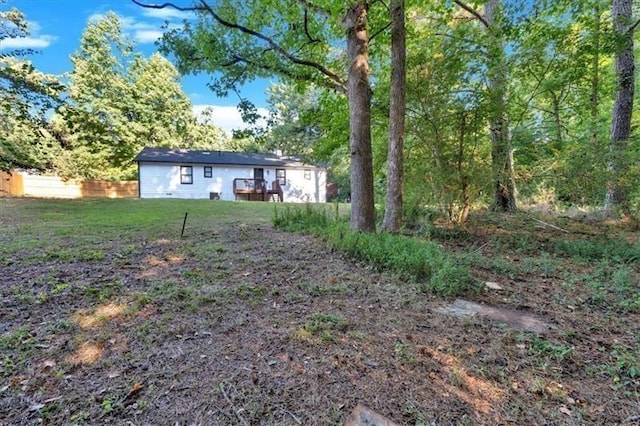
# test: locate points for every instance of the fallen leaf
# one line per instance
(137, 387)
(564, 410)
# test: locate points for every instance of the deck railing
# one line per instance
(251, 186)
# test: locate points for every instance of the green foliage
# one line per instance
(446, 147)
(404, 353)
(324, 325)
(625, 369)
(543, 347)
(292, 130)
(26, 96)
(119, 102)
(421, 260)
(610, 249)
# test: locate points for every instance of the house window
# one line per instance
(186, 175)
(281, 175)
(208, 171)
(307, 174)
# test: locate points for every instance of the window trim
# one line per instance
(208, 171)
(307, 174)
(186, 175)
(282, 180)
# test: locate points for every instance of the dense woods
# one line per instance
(428, 105)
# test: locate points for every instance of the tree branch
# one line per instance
(317, 9)
(328, 84)
(306, 28)
(381, 30)
(633, 27)
(474, 12)
(298, 61)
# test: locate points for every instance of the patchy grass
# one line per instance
(110, 315)
(418, 259)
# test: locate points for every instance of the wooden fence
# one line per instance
(18, 184)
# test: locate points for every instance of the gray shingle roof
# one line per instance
(168, 155)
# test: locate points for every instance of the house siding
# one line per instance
(162, 180)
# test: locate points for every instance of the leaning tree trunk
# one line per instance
(362, 203)
(393, 208)
(501, 150)
(616, 195)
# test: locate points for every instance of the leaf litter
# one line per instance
(277, 329)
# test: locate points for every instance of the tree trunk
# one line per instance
(616, 195)
(363, 217)
(393, 207)
(595, 76)
(501, 150)
(464, 179)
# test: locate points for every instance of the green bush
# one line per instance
(418, 259)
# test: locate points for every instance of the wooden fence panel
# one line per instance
(23, 184)
(11, 184)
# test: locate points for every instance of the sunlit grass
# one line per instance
(38, 225)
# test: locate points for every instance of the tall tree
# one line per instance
(501, 151)
(504, 191)
(292, 129)
(296, 42)
(447, 160)
(393, 206)
(621, 14)
(26, 97)
(359, 89)
(118, 102)
(99, 108)
(160, 111)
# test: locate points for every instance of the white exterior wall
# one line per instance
(305, 190)
(162, 180)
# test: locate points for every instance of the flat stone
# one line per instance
(492, 285)
(515, 319)
(364, 416)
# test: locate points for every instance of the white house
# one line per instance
(167, 173)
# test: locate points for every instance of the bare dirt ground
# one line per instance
(252, 326)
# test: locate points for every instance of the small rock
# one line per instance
(492, 285)
(364, 416)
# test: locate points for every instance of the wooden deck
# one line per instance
(258, 188)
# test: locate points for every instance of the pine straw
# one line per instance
(274, 329)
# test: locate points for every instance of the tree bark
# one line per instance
(595, 76)
(501, 150)
(616, 195)
(359, 91)
(393, 208)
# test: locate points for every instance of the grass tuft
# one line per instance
(421, 260)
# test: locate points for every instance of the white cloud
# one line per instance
(35, 40)
(167, 13)
(34, 27)
(96, 17)
(141, 32)
(147, 36)
(39, 42)
(227, 117)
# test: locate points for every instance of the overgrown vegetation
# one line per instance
(421, 260)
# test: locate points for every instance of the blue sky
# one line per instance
(57, 26)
